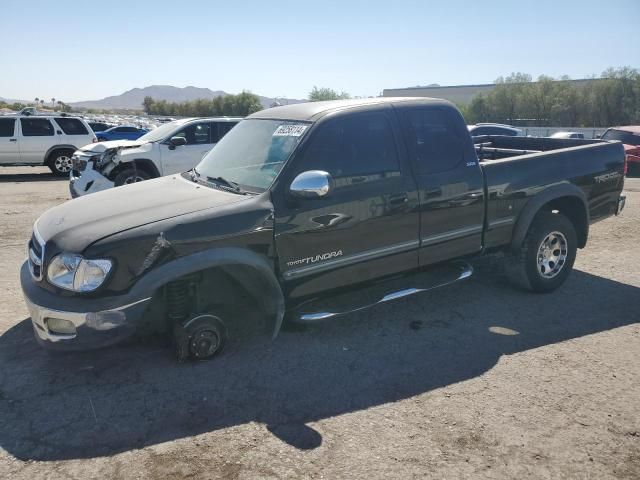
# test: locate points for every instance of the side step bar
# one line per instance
(342, 304)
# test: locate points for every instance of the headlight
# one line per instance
(72, 272)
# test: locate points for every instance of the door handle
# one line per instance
(13, 139)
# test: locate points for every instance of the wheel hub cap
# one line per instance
(133, 179)
(63, 163)
(552, 255)
(204, 343)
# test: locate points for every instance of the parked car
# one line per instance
(174, 147)
(42, 140)
(567, 135)
(493, 129)
(630, 138)
(315, 210)
(99, 126)
(121, 132)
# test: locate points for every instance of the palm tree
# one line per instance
(42, 102)
(53, 102)
(37, 100)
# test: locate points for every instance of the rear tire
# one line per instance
(60, 162)
(545, 258)
(130, 175)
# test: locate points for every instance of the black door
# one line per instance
(367, 226)
(449, 181)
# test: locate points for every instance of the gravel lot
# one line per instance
(476, 380)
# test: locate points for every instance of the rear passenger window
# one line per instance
(357, 148)
(435, 141)
(36, 127)
(481, 131)
(7, 127)
(71, 126)
(223, 129)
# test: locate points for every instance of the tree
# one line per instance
(243, 104)
(37, 100)
(53, 102)
(319, 94)
(147, 104)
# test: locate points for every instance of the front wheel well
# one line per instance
(226, 291)
(143, 164)
(573, 208)
(60, 148)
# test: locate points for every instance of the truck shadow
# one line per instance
(31, 177)
(96, 404)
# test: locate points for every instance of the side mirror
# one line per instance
(177, 141)
(311, 184)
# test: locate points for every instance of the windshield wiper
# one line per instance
(232, 185)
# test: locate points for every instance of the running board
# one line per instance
(345, 303)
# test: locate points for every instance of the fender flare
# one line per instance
(263, 285)
(58, 147)
(533, 206)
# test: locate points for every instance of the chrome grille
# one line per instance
(36, 255)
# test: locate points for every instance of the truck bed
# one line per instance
(495, 147)
(516, 169)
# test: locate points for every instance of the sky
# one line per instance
(85, 50)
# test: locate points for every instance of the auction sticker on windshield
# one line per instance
(290, 130)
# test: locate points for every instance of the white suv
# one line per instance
(174, 147)
(42, 140)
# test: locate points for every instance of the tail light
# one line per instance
(626, 165)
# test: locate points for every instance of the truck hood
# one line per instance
(102, 147)
(76, 224)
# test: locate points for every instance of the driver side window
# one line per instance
(197, 134)
(356, 149)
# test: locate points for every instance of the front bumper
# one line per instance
(96, 322)
(87, 181)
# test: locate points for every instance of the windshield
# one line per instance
(160, 133)
(628, 138)
(253, 152)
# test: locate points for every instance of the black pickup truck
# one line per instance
(311, 211)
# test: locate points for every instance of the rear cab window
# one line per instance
(36, 127)
(72, 126)
(7, 127)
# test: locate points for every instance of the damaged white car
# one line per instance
(174, 147)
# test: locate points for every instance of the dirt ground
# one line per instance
(476, 380)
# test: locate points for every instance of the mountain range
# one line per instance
(132, 99)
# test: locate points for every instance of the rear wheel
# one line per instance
(60, 162)
(130, 175)
(546, 256)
